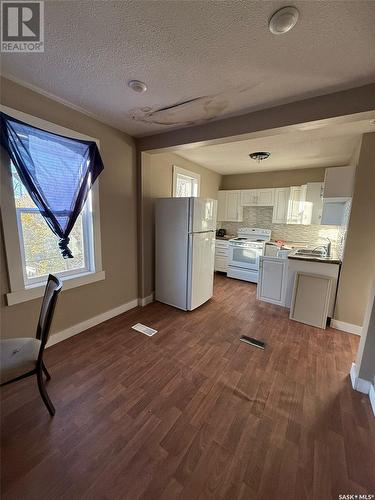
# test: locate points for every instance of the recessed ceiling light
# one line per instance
(137, 86)
(283, 20)
(260, 155)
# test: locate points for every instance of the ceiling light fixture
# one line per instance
(260, 155)
(283, 20)
(137, 86)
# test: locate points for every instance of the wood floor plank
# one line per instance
(193, 413)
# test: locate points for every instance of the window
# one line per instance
(31, 247)
(185, 183)
(40, 253)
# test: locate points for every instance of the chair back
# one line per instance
(53, 288)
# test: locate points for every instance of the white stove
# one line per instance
(245, 252)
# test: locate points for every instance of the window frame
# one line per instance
(22, 290)
(186, 173)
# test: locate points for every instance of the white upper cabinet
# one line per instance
(281, 203)
(257, 197)
(313, 205)
(221, 205)
(338, 190)
(291, 205)
(229, 206)
(265, 197)
(339, 182)
(249, 197)
(234, 209)
(296, 204)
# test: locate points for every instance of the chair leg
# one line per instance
(44, 394)
(48, 376)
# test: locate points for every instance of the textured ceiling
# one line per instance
(327, 146)
(219, 54)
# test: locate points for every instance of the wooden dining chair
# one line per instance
(22, 357)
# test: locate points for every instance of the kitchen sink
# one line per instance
(311, 253)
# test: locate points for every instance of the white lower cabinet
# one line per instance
(330, 270)
(272, 280)
(221, 256)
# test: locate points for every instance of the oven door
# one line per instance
(244, 257)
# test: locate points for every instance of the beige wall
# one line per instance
(275, 179)
(366, 353)
(157, 176)
(118, 222)
(359, 259)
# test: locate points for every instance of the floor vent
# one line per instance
(253, 342)
(144, 329)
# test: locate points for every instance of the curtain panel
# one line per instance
(57, 171)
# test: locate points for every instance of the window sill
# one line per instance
(34, 292)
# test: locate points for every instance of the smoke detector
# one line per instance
(283, 20)
(137, 86)
(260, 155)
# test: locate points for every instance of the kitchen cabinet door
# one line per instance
(313, 206)
(281, 203)
(221, 205)
(265, 197)
(249, 197)
(272, 280)
(233, 206)
(339, 182)
(335, 213)
(221, 263)
(296, 204)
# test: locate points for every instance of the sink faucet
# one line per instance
(328, 247)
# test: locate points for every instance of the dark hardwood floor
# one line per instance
(192, 413)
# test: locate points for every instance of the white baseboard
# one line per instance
(363, 386)
(146, 300)
(353, 374)
(346, 327)
(89, 323)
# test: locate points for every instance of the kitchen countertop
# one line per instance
(333, 259)
(225, 238)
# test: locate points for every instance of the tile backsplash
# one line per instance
(297, 233)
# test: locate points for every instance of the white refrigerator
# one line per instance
(184, 251)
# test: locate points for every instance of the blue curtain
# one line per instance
(57, 171)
